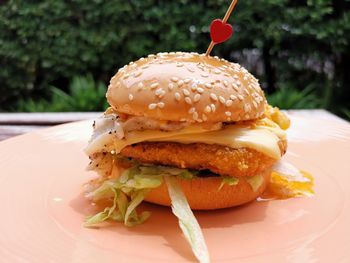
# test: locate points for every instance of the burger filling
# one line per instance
(137, 152)
(133, 155)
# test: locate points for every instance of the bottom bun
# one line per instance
(204, 193)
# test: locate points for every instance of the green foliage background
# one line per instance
(289, 45)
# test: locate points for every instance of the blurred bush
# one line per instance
(284, 43)
(291, 98)
(84, 94)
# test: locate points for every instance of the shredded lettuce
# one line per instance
(127, 191)
(187, 220)
(255, 181)
(229, 180)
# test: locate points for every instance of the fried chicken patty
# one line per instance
(219, 159)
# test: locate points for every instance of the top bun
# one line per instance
(180, 86)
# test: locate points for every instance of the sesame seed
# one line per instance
(126, 76)
(151, 55)
(161, 104)
(235, 77)
(227, 75)
(180, 83)
(194, 86)
(191, 110)
(229, 103)
(171, 86)
(177, 96)
(140, 86)
(213, 108)
(216, 71)
(195, 115)
(131, 97)
(188, 100)
(196, 97)
(225, 83)
(255, 105)
(186, 92)
(204, 74)
(187, 81)
(174, 79)
(238, 83)
(191, 70)
(228, 113)
(152, 106)
(235, 87)
(246, 92)
(118, 84)
(222, 99)
(137, 73)
(179, 64)
(199, 65)
(204, 117)
(183, 119)
(245, 77)
(240, 97)
(213, 96)
(233, 97)
(207, 109)
(160, 92)
(154, 85)
(145, 66)
(200, 90)
(208, 85)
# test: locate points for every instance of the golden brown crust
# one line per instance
(204, 193)
(219, 159)
(186, 87)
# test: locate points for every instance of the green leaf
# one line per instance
(187, 220)
(229, 180)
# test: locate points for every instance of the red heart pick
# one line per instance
(220, 31)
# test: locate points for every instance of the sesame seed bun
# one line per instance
(179, 86)
(204, 193)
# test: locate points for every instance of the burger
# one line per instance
(185, 130)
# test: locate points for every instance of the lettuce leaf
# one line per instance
(187, 220)
(255, 181)
(229, 180)
(127, 191)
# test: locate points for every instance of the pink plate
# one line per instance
(42, 209)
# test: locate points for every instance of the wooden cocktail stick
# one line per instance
(224, 20)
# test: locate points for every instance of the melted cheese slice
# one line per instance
(262, 138)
